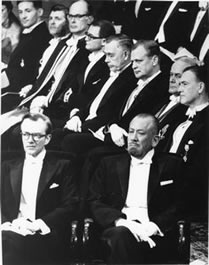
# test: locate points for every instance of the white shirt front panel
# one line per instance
(95, 104)
(136, 200)
(31, 174)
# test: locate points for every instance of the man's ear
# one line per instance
(155, 60)
(40, 12)
(155, 140)
(90, 20)
(201, 87)
(48, 138)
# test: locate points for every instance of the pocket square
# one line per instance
(183, 10)
(54, 185)
(95, 82)
(166, 182)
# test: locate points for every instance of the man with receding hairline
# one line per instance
(133, 197)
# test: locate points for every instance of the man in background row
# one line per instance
(23, 66)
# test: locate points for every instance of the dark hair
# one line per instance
(39, 116)
(89, 6)
(123, 40)
(155, 121)
(201, 73)
(36, 4)
(11, 16)
(59, 7)
(150, 46)
(8, 5)
(106, 28)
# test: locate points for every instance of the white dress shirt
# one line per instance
(31, 174)
(62, 65)
(136, 201)
(183, 127)
(174, 100)
(29, 30)
(95, 104)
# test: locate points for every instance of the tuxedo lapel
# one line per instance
(46, 175)
(123, 170)
(154, 178)
(16, 180)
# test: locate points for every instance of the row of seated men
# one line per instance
(135, 198)
(101, 115)
(23, 67)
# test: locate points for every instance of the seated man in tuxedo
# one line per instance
(38, 199)
(108, 101)
(23, 66)
(188, 137)
(172, 109)
(60, 71)
(96, 72)
(59, 29)
(133, 197)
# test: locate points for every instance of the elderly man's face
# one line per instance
(57, 23)
(116, 56)
(175, 76)
(189, 89)
(141, 137)
(79, 19)
(34, 136)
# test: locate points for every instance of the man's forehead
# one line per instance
(178, 67)
(23, 5)
(57, 13)
(141, 123)
(139, 52)
(31, 124)
(79, 7)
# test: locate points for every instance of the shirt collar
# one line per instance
(174, 98)
(145, 82)
(29, 30)
(38, 158)
(191, 112)
(95, 56)
(147, 159)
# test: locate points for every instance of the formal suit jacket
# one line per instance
(194, 150)
(87, 90)
(57, 107)
(55, 206)
(109, 187)
(178, 27)
(24, 61)
(152, 97)
(111, 102)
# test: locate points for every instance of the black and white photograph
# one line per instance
(104, 127)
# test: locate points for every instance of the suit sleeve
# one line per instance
(64, 205)
(104, 204)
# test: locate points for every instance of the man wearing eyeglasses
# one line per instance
(68, 57)
(38, 198)
(92, 77)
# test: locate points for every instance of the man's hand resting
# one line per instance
(118, 134)
(74, 124)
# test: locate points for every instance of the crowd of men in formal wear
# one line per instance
(123, 93)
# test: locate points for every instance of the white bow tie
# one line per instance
(112, 74)
(91, 57)
(146, 161)
(174, 98)
(191, 113)
(71, 42)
